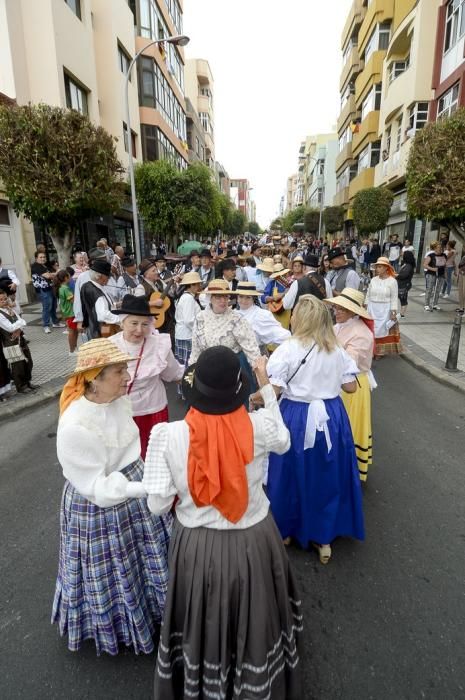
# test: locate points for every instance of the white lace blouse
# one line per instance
(229, 329)
(94, 443)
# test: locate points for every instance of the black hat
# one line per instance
(205, 253)
(231, 254)
(101, 266)
(145, 265)
(311, 260)
(159, 257)
(128, 262)
(216, 384)
(95, 253)
(136, 306)
(194, 252)
(336, 252)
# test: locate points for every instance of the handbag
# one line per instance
(13, 353)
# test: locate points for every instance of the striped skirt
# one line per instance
(358, 407)
(112, 571)
(232, 617)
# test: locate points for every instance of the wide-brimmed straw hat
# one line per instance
(352, 300)
(99, 352)
(215, 384)
(218, 287)
(383, 261)
(133, 306)
(191, 278)
(297, 258)
(247, 289)
(266, 265)
(279, 270)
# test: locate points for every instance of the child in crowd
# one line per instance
(65, 298)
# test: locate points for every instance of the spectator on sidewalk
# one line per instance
(65, 297)
(451, 255)
(14, 347)
(42, 280)
(394, 252)
(435, 265)
(79, 264)
(404, 280)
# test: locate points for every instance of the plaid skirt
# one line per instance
(112, 571)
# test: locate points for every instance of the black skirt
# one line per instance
(232, 617)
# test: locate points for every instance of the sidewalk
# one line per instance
(425, 337)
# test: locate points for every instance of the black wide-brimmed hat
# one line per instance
(215, 384)
(311, 260)
(336, 252)
(101, 266)
(205, 253)
(133, 306)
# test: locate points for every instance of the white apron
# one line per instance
(380, 312)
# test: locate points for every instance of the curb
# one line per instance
(45, 394)
(442, 376)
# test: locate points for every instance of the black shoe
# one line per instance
(32, 387)
(22, 390)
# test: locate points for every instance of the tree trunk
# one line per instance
(457, 230)
(63, 240)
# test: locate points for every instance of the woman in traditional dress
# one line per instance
(268, 331)
(355, 332)
(112, 571)
(187, 308)
(15, 350)
(381, 301)
(233, 615)
(154, 364)
(218, 324)
(314, 488)
(297, 268)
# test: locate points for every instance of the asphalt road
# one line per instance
(383, 621)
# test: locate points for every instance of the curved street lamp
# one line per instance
(179, 40)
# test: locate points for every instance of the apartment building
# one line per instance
(200, 92)
(449, 60)
(317, 167)
(75, 54)
(240, 196)
(406, 99)
(291, 192)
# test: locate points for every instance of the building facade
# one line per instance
(240, 196)
(200, 92)
(291, 192)
(449, 60)
(317, 167)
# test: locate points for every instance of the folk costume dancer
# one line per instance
(382, 302)
(274, 292)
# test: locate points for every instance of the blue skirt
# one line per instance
(112, 571)
(315, 495)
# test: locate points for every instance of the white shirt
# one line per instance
(251, 273)
(186, 312)
(11, 326)
(291, 294)
(103, 307)
(165, 473)
(266, 328)
(321, 377)
(77, 304)
(11, 275)
(384, 291)
(94, 443)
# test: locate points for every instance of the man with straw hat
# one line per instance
(267, 329)
(104, 519)
(264, 270)
(355, 331)
(273, 293)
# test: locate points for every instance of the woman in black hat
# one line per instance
(155, 364)
(232, 615)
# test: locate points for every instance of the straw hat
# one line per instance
(266, 265)
(277, 258)
(99, 352)
(218, 287)
(278, 271)
(383, 261)
(352, 300)
(191, 278)
(297, 258)
(246, 289)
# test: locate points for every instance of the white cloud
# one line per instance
(276, 69)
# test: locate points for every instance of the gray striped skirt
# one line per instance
(232, 617)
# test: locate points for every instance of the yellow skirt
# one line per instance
(358, 407)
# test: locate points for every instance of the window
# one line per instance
(372, 101)
(369, 157)
(153, 26)
(455, 23)
(418, 116)
(175, 14)
(345, 138)
(379, 39)
(4, 215)
(75, 6)
(206, 122)
(76, 96)
(348, 50)
(396, 68)
(448, 103)
(197, 146)
(157, 93)
(124, 60)
(345, 96)
(133, 140)
(157, 146)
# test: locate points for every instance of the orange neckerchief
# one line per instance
(220, 447)
(75, 387)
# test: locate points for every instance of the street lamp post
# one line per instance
(180, 40)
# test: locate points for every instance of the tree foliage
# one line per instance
(371, 209)
(236, 225)
(58, 169)
(312, 220)
(334, 219)
(435, 174)
(254, 228)
(277, 224)
(175, 203)
(294, 216)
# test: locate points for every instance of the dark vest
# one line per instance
(4, 275)
(89, 295)
(5, 336)
(340, 276)
(130, 281)
(311, 284)
(149, 290)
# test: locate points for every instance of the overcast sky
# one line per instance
(276, 69)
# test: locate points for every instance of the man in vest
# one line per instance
(129, 279)
(96, 302)
(341, 273)
(311, 283)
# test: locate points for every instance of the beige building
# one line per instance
(291, 192)
(75, 53)
(317, 157)
(200, 92)
(406, 97)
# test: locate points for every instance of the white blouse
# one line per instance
(266, 328)
(94, 443)
(383, 291)
(229, 329)
(13, 325)
(320, 377)
(187, 310)
(165, 473)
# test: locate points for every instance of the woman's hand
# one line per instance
(260, 371)
(256, 400)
